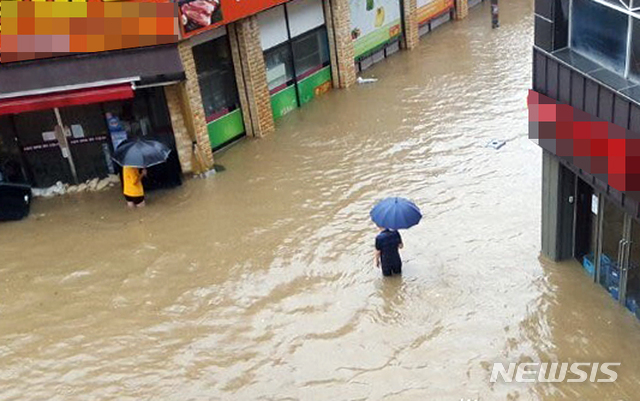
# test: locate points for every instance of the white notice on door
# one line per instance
(49, 136)
(77, 131)
(594, 204)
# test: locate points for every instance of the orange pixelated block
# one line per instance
(36, 28)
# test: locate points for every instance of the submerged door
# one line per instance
(613, 244)
(631, 271)
(586, 226)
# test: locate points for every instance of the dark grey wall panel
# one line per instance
(540, 72)
(634, 121)
(545, 8)
(621, 112)
(552, 78)
(605, 106)
(564, 93)
(543, 37)
(561, 24)
(591, 97)
(577, 91)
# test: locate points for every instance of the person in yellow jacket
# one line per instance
(132, 186)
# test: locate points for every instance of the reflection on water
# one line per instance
(258, 283)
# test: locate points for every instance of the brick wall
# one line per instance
(462, 9)
(411, 36)
(180, 130)
(338, 21)
(251, 76)
(193, 111)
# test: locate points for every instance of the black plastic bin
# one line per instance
(15, 201)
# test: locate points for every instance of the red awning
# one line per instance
(63, 99)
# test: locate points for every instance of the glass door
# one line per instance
(586, 226)
(631, 270)
(614, 223)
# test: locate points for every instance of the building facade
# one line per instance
(584, 112)
(232, 75)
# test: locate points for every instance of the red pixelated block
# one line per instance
(632, 182)
(564, 147)
(599, 165)
(582, 130)
(564, 113)
(547, 112)
(564, 129)
(618, 181)
(582, 147)
(599, 147)
(600, 130)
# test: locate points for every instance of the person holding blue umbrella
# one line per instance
(391, 215)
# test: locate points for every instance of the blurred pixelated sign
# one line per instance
(41, 29)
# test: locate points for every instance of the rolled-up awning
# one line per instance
(63, 99)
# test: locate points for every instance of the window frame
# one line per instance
(631, 13)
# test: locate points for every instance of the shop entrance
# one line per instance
(50, 145)
(607, 242)
(74, 144)
(618, 272)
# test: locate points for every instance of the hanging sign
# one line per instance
(594, 204)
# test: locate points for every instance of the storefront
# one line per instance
(68, 132)
(296, 53)
(606, 238)
(376, 30)
(433, 13)
(218, 89)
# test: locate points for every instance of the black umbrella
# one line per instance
(141, 153)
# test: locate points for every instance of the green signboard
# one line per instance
(374, 23)
(308, 88)
(284, 101)
(314, 85)
(225, 128)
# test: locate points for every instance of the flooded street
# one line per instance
(258, 283)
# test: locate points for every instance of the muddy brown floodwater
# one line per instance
(258, 283)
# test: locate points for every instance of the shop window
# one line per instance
(311, 52)
(11, 166)
(89, 140)
(216, 77)
(45, 159)
(279, 63)
(634, 61)
(600, 33)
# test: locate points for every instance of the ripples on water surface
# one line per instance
(258, 283)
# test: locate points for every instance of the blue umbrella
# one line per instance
(396, 213)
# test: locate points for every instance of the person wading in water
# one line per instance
(132, 186)
(387, 256)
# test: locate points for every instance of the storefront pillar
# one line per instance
(338, 22)
(251, 76)
(192, 110)
(558, 199)
(184, 143)
(462, 9)
(410, 17)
